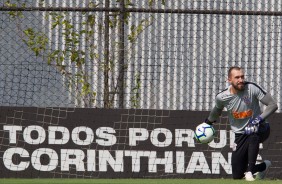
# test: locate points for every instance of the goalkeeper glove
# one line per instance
(207, 121)
(253, 125)
(256, 121)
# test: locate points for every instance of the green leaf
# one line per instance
(151, 2)
(54, 25)
(91, 20)
(83, 32)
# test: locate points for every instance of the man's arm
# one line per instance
(214, 114)
(271, 106)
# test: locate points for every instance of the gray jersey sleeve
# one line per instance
(257, 91)
(271, 106)
(216, 111)
(214, 114)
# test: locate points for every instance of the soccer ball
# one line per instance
(204, 133)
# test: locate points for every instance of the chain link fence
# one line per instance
(135, 54)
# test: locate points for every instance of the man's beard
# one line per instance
(239, 88)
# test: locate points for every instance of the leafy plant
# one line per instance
(14, 14)
(135, 98)
(36, 41)
(71, 58)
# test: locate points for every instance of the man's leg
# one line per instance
(262, 168)
(253, 150)
(262, 135)
(239, 158)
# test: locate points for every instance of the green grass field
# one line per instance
(132, 181)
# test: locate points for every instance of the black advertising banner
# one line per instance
(119, 143)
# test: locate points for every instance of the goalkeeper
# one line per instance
(242, 102)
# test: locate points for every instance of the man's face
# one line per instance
(237, 79)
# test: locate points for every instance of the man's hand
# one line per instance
(256, 121)
(251, 129)
(207, 121)
(253, 125)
